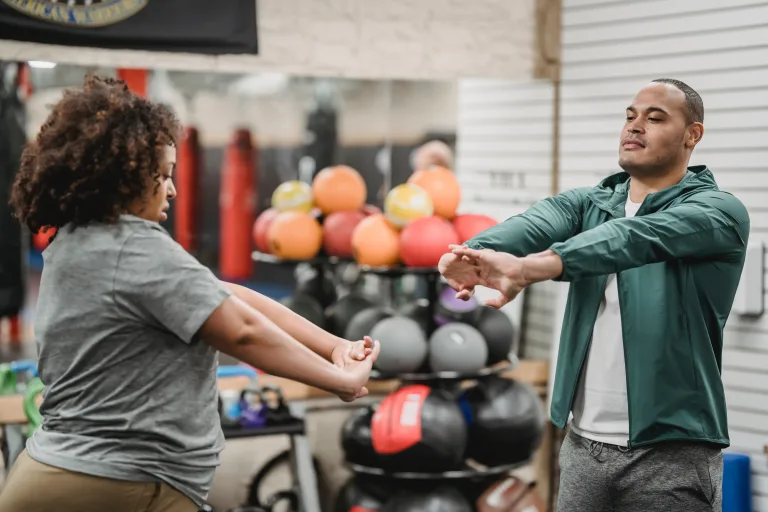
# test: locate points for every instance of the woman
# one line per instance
(128, 324)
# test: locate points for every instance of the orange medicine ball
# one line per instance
(375, 242)
(443, 188)
(339, 189)
(295, 235)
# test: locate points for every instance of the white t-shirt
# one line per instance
(600, 410)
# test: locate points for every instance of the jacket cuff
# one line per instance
(559, 249)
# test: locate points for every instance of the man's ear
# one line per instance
(694, 135)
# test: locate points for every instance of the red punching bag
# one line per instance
(237, 205)
(136, 79)
(187, 178)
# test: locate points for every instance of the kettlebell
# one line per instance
(253, 413)
(277, 411)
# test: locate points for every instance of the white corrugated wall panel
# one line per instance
(610, 50)
(504, 162)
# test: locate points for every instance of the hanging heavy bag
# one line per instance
(419, 429)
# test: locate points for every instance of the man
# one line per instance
(653, 256)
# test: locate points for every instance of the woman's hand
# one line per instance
(346, 351)
(357, 372)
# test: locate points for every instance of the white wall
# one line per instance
(426, 39)
(370, 112)
(504, 163)
(610, 50)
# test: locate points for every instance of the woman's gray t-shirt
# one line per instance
(130, 391)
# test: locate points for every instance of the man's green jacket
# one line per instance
(678, 264)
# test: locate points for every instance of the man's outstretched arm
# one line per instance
(708, 225)
(551, 220)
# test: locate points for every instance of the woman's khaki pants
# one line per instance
(35, 487)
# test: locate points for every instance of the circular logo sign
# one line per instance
(80, 13)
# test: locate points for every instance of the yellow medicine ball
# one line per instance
(406, 203)
(293, 196)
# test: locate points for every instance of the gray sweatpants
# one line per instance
(667, 477)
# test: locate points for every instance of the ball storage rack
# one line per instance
(449, 380)
(443, 379)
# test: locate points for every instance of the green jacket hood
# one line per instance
(611, 193)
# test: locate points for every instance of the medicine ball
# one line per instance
(450, 309)
(405, 203)
(375, 242)
(457, 347)
(419, 429)
(441, 499)
(443, 189)
(337, 232)
(261, 229)
(498, 331)
(420, 312)
(356, 438)
(403, 345)
(353, 497)
(295, 235)
(362, 323)
(292, 195)
(424, 241)
(469, 225)
(339, 188)
(510, 494)
(343, 310)
(319, 285)
(505, 419)
(306, 307)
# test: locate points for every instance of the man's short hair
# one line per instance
(692, 99)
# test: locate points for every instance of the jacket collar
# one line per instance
(611, 193)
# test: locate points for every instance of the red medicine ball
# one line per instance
(418, 428)
(469, 225)
(425, 240)
(261, 228)
(337, 232)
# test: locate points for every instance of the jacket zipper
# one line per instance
(626, 366)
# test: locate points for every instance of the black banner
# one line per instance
(194, 26)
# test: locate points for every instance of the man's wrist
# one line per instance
(542, 266)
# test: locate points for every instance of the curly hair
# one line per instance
(93, 157)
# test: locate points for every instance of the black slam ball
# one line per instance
(356, 438)
(498, 331)
(307, 307)
(441, 499)
(505, 419)
(341, 312)
(419, 429)
(354, 497)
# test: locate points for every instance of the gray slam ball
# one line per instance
(457, 347)
(403, 345)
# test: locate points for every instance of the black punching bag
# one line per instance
(12, 243)
(320, 136)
